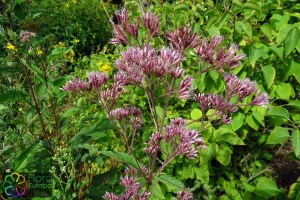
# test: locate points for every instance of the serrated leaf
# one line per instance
(196, 114)
(296, 142)
(266, 188)
(291, 40)
(123, 157)
(170, 180)
(269, 75)
(279, 135)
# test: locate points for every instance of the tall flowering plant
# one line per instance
(148, 68)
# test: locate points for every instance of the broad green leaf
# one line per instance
(123, 157)
(292, 40)
(159, 111)
(296, 142)
(28, 156)
(283, 91)
(202, 173)
(255, 54)
(251, 122)
(279, 135)
(267, 30)
(227, 135)
(278, 111)
(207, 154)
(196, 114)
(295, 104)
(181, 7)
(269, 75)
(294, 191)
(278, 21)
(252, 6)
(282, 34)
(156, 192)
(170, 180)
(266, 188)
(224, 154)
(279, 51)
(237, 121)
(11, 96)
(259, 117)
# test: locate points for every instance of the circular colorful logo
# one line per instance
(15, 185)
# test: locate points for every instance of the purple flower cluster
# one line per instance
(182, 38)
(138, 62)
(184, 195)
(121, 113)
(25, 35)
(185, 88)
(75, 85)
(96, 79)
(209, 52)
(132, 191)
(125, 28)
(184, 141)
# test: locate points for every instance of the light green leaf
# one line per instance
(266, 188)
(269, 75)
(170, 180)
(259, 117)
(224, 154)
(292, 40)
(278, 111)
(159, 111)
(295, 104)
(278, 135)
(252, 6)
(255, 54)
(267, 30)
(296, 142)
(227, 135)
(283, 91)
(196, 114)
(237, 121)
(251, 122)
(278, 21)
(282, 34)
(202, 173)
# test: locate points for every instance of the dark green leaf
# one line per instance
(123, 157)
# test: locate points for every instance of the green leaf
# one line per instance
(255, 54)
(296, 142)
(227, 135)
(159, 111)
(58, 52)
(295, 104)
(123, 157)
(157, 192)
(282, 34)
(28, 156)
(267, 30)
(279, 51)
(207, 154)
(252, 123)
(259, 117)
(224, 154)
(292, 40)
(251, 6)
(266, 188)
(237, 121)
(196, 114)
(181, 7)
(170, 180)
(269, 75)
(283, 91)
(11, 96)
(278, 111)
(278, 21)
(279, 135)
(202, 173)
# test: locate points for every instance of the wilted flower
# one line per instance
(75, 85)
(182, 39)
(25, 35)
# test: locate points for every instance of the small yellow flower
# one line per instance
(39, 52)
(75, 41)
(11, 47)
(60, 44)
(70, 55)
(106, 68)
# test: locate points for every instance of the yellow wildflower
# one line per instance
(70, 55)
(106, 68)
(11, 47)
(60, 44)
(39, 52)
(75, 41)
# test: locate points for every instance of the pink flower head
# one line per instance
(182, 39)
(119, 35)
(260, 99)
(121, 113)
(132, 29)
(25, 35)
(170, 57)
(185, 88)
(96, 79)
(184, 195)
(151, 23)
(153, 144)
(235, 86)
(75, 85)
(121, 16)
